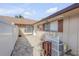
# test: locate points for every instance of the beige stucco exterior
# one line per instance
(70, 28)
(71, 33)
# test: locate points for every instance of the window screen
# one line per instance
(29, 29)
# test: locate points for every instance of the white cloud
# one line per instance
(13, 11)
(30, 13)
(52, 10)
(27, 13)
(16, 11)
(3, 11)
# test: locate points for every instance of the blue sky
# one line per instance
(34, 11)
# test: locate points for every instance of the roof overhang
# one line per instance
(69, 11)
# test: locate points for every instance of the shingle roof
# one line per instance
(17, 21)
(24, 21)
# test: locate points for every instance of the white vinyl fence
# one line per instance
(8, 37)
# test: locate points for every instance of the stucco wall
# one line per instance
(36, 27)
(71, 33)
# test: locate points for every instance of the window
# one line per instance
(54, 26)
(29, 29)
(47, 27)
(60, 25)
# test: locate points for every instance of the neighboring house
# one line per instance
(65, 21)
(25, 24)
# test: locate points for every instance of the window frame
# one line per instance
(29, 27)
(60, 25)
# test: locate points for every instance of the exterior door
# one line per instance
(47, 48)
